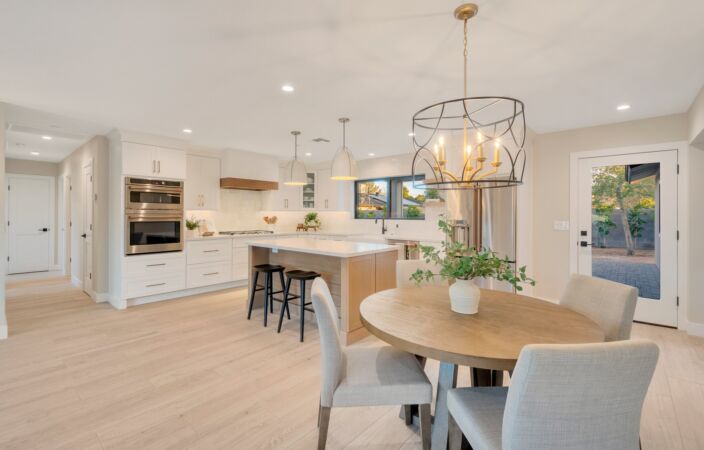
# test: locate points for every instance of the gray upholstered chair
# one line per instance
(577, 396)
(405, 267)
(364, 376)
(611, 305)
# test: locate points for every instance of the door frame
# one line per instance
(682, 149)
(87, 198)
(52, 214)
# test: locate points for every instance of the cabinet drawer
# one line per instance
(164, 264)
(208, 251)
(207, 274)
(240, 271)
(143, 287)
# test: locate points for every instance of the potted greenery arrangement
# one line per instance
(312, 221)
(192, 225)
(462, 264)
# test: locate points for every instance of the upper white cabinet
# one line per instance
(202, 189)
(152, 161)
(286, 198)
(327, 191)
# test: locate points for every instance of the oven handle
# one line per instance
(154, 218)
(164, 189)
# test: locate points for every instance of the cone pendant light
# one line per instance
(344, 166)
(295, 172)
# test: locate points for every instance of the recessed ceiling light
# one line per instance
(623, 107)
(411, 134)
(287, 88)
(47, 138)
(187, 130)
(309, 154)
(371, 154)
(34, 153)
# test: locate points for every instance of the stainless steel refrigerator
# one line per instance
(486, 218)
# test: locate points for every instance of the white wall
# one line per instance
(696, 212)
(696, 120)
(3, 227)
(97, 150)
(47, 169)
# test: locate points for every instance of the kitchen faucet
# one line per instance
(383, 225)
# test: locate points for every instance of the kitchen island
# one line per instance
(352, 270)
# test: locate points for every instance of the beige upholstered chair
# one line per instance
(364, 376)
(405, 267)
(577, 396)
(611, 305)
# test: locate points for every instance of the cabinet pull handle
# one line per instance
(156, 265)
(155, 285)
(210, 251)
(153, 165)
(158, 166)
(211, 273)
(326, 203)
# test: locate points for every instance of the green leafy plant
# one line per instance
(432, 194)
(192, 223)
(413, 212)
(457, 261)
(312, 220)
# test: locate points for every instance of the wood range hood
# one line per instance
(247, 184)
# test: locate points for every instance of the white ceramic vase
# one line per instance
(192, 234)
(464, 297)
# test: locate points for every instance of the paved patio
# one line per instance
(644, 276)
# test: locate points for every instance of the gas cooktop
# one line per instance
(232, 233)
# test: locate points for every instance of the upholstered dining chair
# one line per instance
(406, 267)
(576, 396)
(611, 305)
(364, 376)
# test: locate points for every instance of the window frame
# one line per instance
(390, 182)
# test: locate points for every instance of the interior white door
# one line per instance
(628, 227)
(29, 213)
(88, 198)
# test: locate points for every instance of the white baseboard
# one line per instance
(695, 329)
(55, 267)
(101, 297)
(77, 282)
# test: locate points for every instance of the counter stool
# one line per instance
(302, 276)
(269, 270)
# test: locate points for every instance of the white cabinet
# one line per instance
(151, 161)
(202, 189)
(240, 259)
(146, 275)
(309, 192)
(286, 198)
(208, 262)
(327, 191)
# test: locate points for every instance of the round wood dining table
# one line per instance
(418, 319)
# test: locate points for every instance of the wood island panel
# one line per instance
(350, 279)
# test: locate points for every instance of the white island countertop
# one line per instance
(340, 249)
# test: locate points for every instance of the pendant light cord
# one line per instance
(465, 58)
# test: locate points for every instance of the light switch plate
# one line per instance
(561, 225)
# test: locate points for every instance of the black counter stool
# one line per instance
(302, 276)
(269, 270)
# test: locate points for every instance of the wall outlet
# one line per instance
(561, 225)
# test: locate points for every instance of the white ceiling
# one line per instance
(217, 66)
(27, 129)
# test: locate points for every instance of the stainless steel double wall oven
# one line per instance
(153, 216)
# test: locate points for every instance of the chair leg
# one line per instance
(283, 284)
(455, 434)
(425, 432)
(284, 306)
(251, 297)
(408, 414)
(267, 294)
(302, 300)
(324, 421)
(271, 293)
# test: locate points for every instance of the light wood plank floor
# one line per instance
(194, 373)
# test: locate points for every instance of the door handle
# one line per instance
(584, 244)
(43, 229)
(84, 235)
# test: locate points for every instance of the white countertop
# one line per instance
(340, 249)
(313, 234)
